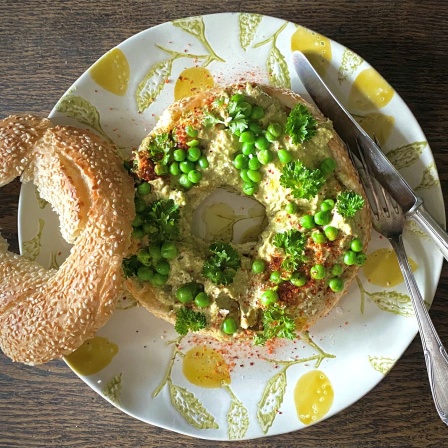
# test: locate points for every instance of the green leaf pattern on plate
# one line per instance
(393, 302)
(429, 178)
(112, 389)
(42, 203)
(191, 408)
(349, 64)
(32, 247)
(83, 111)
(248, 25)
(407, 155)
(237, 417)
(54, 262)
(411, 226)
(381, 364)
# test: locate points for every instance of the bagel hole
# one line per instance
(225, 215)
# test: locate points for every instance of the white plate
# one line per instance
(365, 335)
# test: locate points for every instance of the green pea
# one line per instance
(161, 170)
(194, 176)
(284, 156)
(137, 221)
(237, 97)
(269, 137)
(254, 164)
(298, 279)
(158, 279)
(250, 188)
(257, 113)
(194, 154)
(276, 277)
(327, 166)
(186, 166)
(248, 149)
(350, 258)
(144, 188)
(244, 176)
(331, 232)
(191, 132)
(255, 176)
(322, 218)
(247, 137)
(292, 208)
(202, 300)
(269, 297)
(265, 156)
(275, 129)
(139, 204)
(175, 169)
(337, 270)
(319, 237)
(185, 182)
(138, 234)
(229, 325)
(255, 128)
(327, 205)
(336, 284)
(162, 267)
(317, 272)
(144, 257)
(168, 251)
(185, 294)
(203, 162)
(155, 252)
(193, 143)
(179, 155)
(145, 273)
(240, 161)
(258, 266)
(356, 245)
(361, 258)
(262, 143)
(246, 108)
(307, 221)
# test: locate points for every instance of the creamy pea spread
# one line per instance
(244, 139)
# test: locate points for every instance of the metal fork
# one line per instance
(388, 220)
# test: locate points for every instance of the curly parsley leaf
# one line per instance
(189, 320)
(348, 203)
(159, 148)
(221, 266)
(161, 219)
(276, 324)
(293, 242)
(300, 124)
(304, 182)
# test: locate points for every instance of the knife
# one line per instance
(382, 169)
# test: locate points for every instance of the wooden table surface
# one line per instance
(46, 45)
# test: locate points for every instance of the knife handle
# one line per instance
(432, 228)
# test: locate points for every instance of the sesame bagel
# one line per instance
(270, 145)
(46, 314)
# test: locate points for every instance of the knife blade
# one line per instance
(382, 169)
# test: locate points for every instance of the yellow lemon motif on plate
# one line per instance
(94, 355)
(112, 72)
(192, 80)
(377, 125)
(370, 91)
(313, 396)
(314, 46)
(381, 268)
(205, 367)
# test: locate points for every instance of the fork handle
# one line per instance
(432, 228)
(436, 356)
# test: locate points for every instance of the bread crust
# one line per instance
(345, 172)
(46, 314)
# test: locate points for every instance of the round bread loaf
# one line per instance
(268, 144)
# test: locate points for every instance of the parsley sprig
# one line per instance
(189, 320)
(348, 203)
(161, 220)
(293, 242)
(221, 266)
(236, 121)
(276, 324)
(304, 182)
(301, 124)
(159, 148)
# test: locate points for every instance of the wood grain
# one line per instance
(45, 46)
